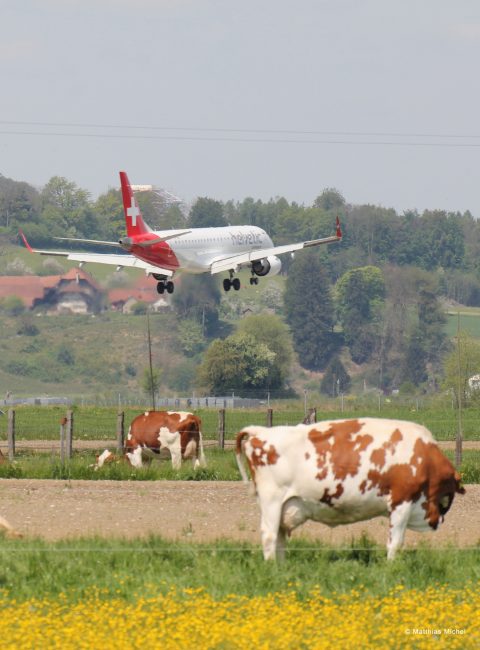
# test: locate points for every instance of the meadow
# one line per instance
(99, 423)
(152, 593)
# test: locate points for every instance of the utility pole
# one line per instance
(152, 383)
(459, 435)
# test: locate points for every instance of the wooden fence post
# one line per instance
(63, 422)
(269, 417)
(69, 434)
(311, 416)
(11, 434)
(120, 431)
(221, 428)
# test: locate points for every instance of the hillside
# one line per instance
(83, 355)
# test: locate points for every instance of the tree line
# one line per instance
(374, 298)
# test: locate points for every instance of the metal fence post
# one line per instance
(221, 428)
(69, 434)
(11, 434)
(120, 431)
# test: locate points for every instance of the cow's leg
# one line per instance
(270, 527)
(135, 457)
(176, 455)
(398, 524)
(202, 461)
(281, 543)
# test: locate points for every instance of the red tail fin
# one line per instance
(133, 215)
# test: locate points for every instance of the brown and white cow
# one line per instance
(343, 471)
(152, 431)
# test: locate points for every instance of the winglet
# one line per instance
(25, 241)
(339, 228)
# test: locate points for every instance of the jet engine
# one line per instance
(270, 265)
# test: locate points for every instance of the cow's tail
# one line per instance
(8, 529)
(240, 454)
(458, 483)
(201, 455)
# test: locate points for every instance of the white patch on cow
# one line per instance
(135, 457)
(418, 517)
(190, 449)
(129, 437)
(147, 413)
(171, 440)
(105, 455)
(398, 525)
(183, 414)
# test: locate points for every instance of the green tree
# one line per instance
(360, 294)
(109, 210)
(12, 305)
(150, 382)
(190, 336)
(336, 379)
(237, 363)
(460, 364)
(65, 355)
(310, 311)
(198, 299)
(414, 368)
(206, 212)
(330, 199)
(271, 331)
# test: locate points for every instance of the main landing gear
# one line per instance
(167, 286)
(228, 283)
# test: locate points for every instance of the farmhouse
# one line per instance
(144, 290)
(74, 292)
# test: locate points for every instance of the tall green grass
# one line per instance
(221, 466)
(147, 566)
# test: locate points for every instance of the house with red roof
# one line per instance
(74, 292)
(144, 290)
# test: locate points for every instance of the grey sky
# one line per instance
(335, 68)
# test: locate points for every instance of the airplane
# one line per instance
(163, 253)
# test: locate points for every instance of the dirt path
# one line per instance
(197, 511)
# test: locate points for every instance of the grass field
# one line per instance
(152, 593)
(147, 566)
(469, 321)
(221, 467)
(99, 423)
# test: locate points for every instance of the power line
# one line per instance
(123, 136)
(392, 134)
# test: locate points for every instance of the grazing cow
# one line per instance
(343, 471)
(149, 433)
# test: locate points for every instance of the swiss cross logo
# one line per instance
(133, 212)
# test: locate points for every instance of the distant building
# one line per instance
(75, 292)
(144, 290)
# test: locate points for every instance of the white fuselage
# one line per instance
(196, 250)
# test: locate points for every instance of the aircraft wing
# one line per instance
(235, 262)
(119, 261)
